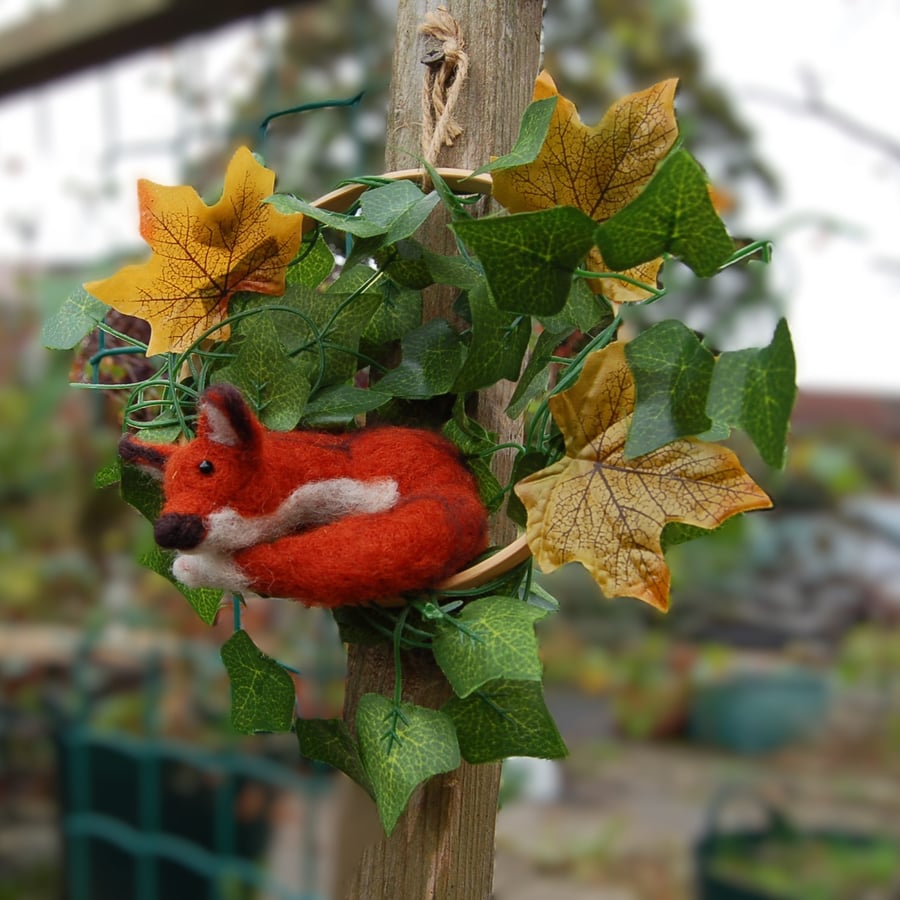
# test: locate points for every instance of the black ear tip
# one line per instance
(127, 447)
(149, 457)
(224, 405)
(224, 394)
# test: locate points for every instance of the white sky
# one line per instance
(63, 195)
(843, 288)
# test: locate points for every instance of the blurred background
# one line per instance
(768, 700)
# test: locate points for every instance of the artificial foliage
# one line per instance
(600, 508)
(258, 327)
(599, 170)
(202, 255)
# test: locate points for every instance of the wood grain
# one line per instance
(443, 846)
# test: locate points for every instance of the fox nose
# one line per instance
(177, 531)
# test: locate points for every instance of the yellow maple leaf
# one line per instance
(607, 512)
(599, 169)
(203, 255)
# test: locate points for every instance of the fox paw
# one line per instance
(204, 570)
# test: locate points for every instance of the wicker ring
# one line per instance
(462, 180)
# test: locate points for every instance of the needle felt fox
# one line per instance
(327, 519)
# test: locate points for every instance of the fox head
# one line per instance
(237, 484)
(206, 474)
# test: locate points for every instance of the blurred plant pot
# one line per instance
(778, 861)
(756, 712)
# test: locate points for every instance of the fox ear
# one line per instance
(226, 419)
(150, 458)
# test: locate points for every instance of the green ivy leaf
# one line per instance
(491, 638)
(532, 133)
(672, 372)
(345, 334)
(718, 431)
(499, 342)
(348, 224)
(452, 270)
(536, 377)
(432, 356)
(164, 429)
(411, 265)
(108, 474)
(473, 439)
(262, 692)
(77, 316)
(204, 601)
(314, 263)
(400, 312)
(456, 204)
(405, 225)
(540, 597)
(503, 719)
(675, 533)
(338, 320)
(529, 258)
(405, 264)
(268, 377)
(340, 404)
(673, 214)
(584, 310)
(329, 741)
(293, 328)
(755, 390)
(526, 464)
(399, 207)
(401, 746)
(142, 491)
(353, 279)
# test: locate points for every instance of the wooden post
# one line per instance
(443, 846)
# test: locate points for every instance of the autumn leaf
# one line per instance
(607, 512)
(203, 255)
(598, 169)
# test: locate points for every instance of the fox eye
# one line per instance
(206, 467)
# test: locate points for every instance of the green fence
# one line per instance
(149, 817)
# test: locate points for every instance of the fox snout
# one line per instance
(179, 531)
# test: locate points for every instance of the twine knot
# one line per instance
(447, 64)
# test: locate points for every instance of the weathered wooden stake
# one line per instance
(443, 847)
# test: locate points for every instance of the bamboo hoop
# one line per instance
(466, 182)
(499, 563)
(463, 181)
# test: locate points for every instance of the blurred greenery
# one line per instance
(809, 868)
(56, 530)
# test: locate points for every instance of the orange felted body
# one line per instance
(326, 519)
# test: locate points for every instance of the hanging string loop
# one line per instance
(447, 66)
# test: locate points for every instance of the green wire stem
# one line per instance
(656, 293)
(537, 431)
(396, 714)
(305, 107)
(762, 247)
